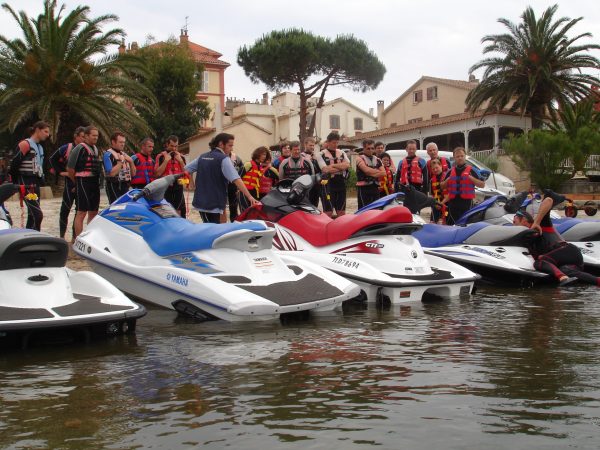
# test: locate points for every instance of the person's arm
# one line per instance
(242, 188)
(425, 175)
(132, 168)
(476, 180)
(160, 167)
(72, 162)
(109, 169)
(284, 163)
(55, 163)
(545, 208)
(344, 165)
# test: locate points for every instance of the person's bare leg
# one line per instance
(78, 223)
(91, 215)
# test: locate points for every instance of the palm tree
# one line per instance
(61, 68)
(538, 67)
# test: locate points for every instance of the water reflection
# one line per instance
(479, 370)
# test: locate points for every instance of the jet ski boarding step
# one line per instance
(320, 230)
(311, 288)
(176, 235)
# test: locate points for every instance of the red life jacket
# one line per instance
(173, 167)
(444, 162)
(436, 190)
(416, 173)
(460, 186)
(144, 171)
(266, 182)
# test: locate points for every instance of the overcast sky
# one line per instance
(412, 38)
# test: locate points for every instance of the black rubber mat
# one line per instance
(233, 279)
(437, 275)
(7, 313)
(308, 289)
(87, 305)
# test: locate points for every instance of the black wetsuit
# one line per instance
(554, 256)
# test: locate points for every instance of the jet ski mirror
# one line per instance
(155, 191)
(485, 174)
(513, 204)
(7, 190)
(300, 188)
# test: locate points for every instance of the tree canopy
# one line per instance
(62, 68)
(174, 78)
(536, 65)
(294, 57)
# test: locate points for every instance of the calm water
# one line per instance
(502, 369)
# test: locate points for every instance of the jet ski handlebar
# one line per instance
(155, 191)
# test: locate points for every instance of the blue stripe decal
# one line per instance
(156, 284)
(452, 252)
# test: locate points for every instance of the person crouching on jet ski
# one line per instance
(552, 254)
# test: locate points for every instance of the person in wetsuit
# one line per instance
(552, 254)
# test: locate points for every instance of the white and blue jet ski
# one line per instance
(494, 252)
(42, 301)
(207, 271)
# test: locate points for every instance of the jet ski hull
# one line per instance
(215, 283)
(61, 304)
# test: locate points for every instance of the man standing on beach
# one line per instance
(214, 172)
(58, 161)
(144, 164)
(83, 168)
(171, 162)
(334, 164)
(118, 167)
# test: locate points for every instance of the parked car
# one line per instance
(495, 180)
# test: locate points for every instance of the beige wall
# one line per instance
(247, 138)
(450, 100)
(347, 115)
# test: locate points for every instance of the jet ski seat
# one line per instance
(501, 235)
(320, 230)
(176, 235)
(24, 249)
(575, 230)
(433, 235)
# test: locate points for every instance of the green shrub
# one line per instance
(542, 153)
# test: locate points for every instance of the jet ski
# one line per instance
(496, 253)
(499, 210)
(42, 301)
(206, 271)
(374, 249)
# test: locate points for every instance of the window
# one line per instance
(417, 96)
(204, 77)
(334, 122)
(435, 116)
(432, 93)
(358, 123)
(418, 119)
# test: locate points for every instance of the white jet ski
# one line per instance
(43, 301)
(584, 234)
(375, 249)
(207, 271)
